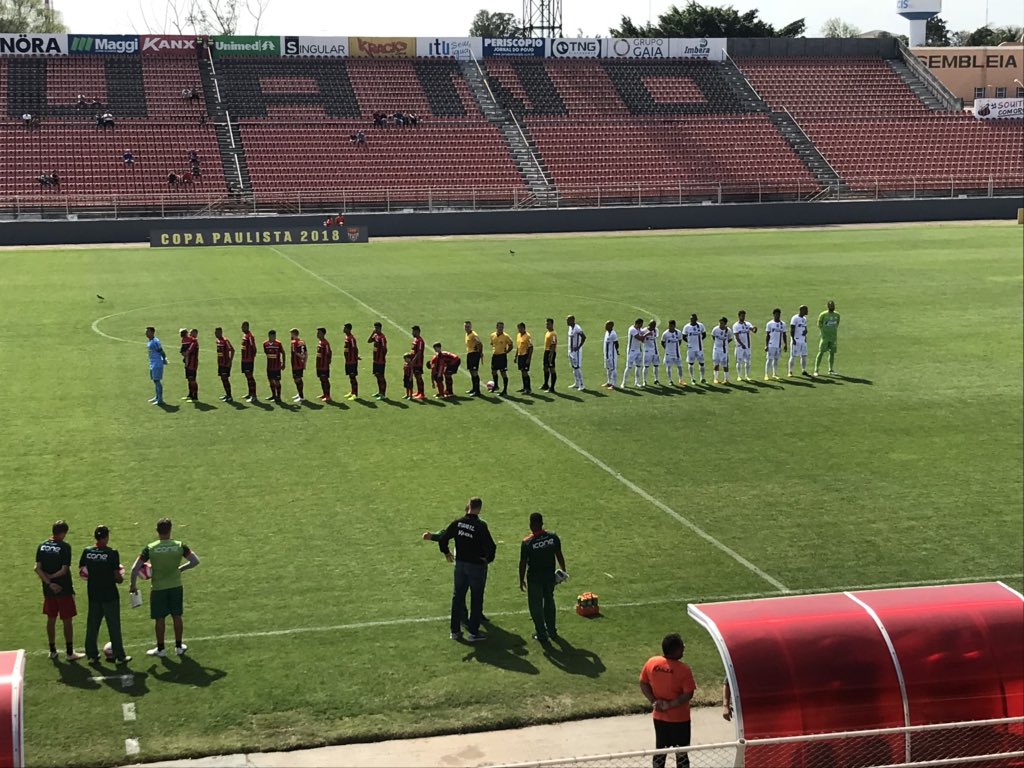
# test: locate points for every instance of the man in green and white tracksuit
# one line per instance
(166, 596)
(537, 556)
(828, 325)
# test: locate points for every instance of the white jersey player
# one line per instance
(774, 343)
(720, 338)
(741, 331)
(634, 351)
(695, 334)
(611, 354)
(670, 341)
(651, 351)
(798, 335)
(577, 338)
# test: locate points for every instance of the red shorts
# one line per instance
(62, 606)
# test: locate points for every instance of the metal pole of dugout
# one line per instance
(914, 180)
(952, 182)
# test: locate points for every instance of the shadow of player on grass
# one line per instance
(502, 649)
(572, 660)
(186, 671)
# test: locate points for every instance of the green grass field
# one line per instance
(318, 615)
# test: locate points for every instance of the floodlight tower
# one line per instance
(542, 18)
(917, 12)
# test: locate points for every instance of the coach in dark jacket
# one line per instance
(474, 550)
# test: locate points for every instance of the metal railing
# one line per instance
(996, 742)
(52, 203)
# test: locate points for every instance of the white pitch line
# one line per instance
(726, 549)
(625, 604)
(128, 710)
(131, 746)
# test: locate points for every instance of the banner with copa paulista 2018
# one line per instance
(254, 234)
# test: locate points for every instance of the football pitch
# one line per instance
(318, 615)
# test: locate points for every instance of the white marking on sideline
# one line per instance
(131, 746)
(625, 604)
(128, 710)
(581, 451)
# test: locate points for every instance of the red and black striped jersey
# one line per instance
(380, 347)
(323, 354)
(298, 354)
(351, 349)
(248, 347)
(225, 352)
(418, 346)
(274, 350)
(190, 352)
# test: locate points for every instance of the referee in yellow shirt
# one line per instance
(550, 347)
(474, 353)
(501, 345)
(524, 354)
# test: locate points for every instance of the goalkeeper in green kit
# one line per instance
(828, 325)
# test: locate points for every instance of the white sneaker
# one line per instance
(53, 655)
(179, 650)
(571, 386)
(158, 652)
(75, 656)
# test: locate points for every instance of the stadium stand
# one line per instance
(874, 130)
(452, 149)
(664, 129)
(150, 118)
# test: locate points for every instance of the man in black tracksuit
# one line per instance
(474, 550)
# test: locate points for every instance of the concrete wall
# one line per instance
(541, 221)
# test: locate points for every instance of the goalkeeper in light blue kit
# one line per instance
(157, 361)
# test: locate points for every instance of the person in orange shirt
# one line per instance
(668, 685)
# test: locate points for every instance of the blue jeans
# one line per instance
(469, 577)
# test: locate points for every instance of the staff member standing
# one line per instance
(103, 566)
(474, 354)
(668, 685)
(474, 551)
(166, 596)
(537, 555)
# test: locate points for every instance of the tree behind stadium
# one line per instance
(29, 16)
(696, 20)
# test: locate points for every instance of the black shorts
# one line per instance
(451, 370)
(549, 359)
(297, 373)
(274, 375)
(499, 362)
(248, 367)
(323, 373)
(378, 369)
(190, 374)
(473, 361)
(524, 363)
(417, 370)
(351, 369)
(223, 370)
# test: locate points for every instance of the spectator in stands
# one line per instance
(193, 157)
(95, 104)
(186, 93)
(172, 178)
(82, 103)
(106, 120)
(54, 178)
(195, 170)
(186, 177)
(26, 120)
(399, 118)
(379, 118)
(414, 119)
(44, 179)
(128, 158)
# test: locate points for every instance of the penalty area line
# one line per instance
(657, 503)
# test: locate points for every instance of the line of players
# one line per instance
(642, 348)
(641, 355)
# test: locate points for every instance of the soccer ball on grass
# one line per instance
(490, 386)
(108, 651)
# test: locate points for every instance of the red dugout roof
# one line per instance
(870, 659)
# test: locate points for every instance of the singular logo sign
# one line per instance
(315, 46)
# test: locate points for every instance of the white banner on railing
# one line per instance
(574, 48)
(33, 45)
(298, 45)
(634, 48)
(708, 48)
(989, 109)
(461, 48)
